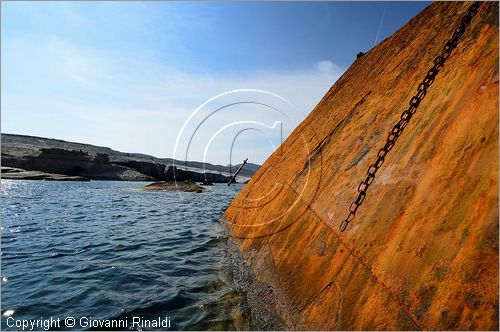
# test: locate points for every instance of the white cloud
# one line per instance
(327, 66)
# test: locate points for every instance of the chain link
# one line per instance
(408, 113)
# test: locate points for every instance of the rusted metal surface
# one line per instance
(406, 116)
(423, 253)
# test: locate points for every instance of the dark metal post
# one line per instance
(236, 173)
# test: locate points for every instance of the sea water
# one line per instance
(105, 252)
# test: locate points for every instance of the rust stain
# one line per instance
(422, 252)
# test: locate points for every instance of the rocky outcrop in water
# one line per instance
(422, 251)
(186, 186)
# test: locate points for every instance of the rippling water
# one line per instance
(110, 250)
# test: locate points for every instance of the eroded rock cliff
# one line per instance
(51, 156)
(422, 252)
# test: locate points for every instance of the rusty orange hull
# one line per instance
(422, 252)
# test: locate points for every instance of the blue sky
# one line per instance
(128, 74)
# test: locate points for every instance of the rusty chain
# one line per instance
(407, 114)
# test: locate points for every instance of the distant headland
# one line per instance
(38, 158)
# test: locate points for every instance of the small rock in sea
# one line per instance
(187, 186)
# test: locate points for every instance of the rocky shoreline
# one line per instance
(10, 173)
(41, 158)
